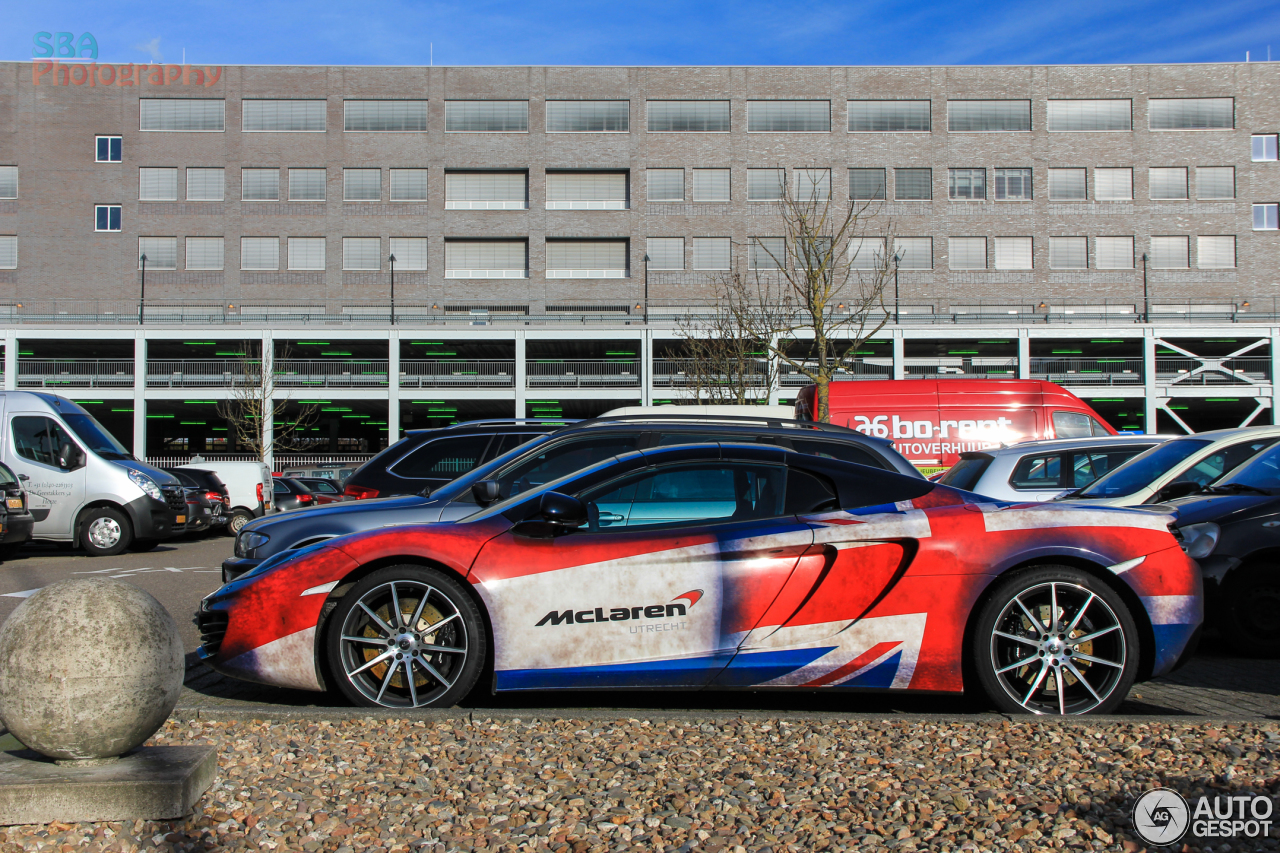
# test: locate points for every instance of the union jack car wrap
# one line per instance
(883, 596)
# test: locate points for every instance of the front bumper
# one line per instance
(154, 520)
(17, 528)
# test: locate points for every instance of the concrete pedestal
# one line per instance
(152, 783)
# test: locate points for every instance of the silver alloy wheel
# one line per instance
(237, 521)
(1058, 648)
(404, 644)
(105, 533)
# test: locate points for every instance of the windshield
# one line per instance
(1143, 469)
(95, 436)
(1262, 472)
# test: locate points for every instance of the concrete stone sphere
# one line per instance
(89, 668)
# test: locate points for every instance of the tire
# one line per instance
(1013, 625)
(140, 546)
(1250, 613)
(105, 532)
(239, 519)
(370, 672)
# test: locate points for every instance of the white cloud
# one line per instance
(152, 47)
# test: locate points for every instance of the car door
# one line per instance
(54, 494)
(659, 597)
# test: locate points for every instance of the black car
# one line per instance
(214, 499)
(17, 519)
(1232, 528)
(325, 491)
(548, 458)
(429, 458)
(289, 494)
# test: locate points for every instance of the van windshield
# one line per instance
(95, 436)
(1143, 469)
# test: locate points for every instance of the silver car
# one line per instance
(1043, 470)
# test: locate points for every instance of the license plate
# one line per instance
(13, 503)
(182, 519)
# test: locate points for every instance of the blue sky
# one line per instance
(653, 32)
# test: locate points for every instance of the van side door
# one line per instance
(54, 493)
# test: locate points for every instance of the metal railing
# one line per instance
(196, 373)
(679, 373)
(75, 372)
(283, 461)
(1088, 371)
(596, 373)
(863, 368)
(1209, 371)
(458, 373)
(962, 367)
(310, 373)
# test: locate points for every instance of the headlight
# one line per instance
(1199, 540)
(250, 540)
(148, 485)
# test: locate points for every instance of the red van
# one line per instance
(933, 421)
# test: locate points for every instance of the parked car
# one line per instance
(248, 488)
(1176, 468)
(336, 473)
(429, 458)
(289, 494)
(15, 518)
(82, 486)
(199, 511)
(324, 490)
(685, 568)
(545, 459)
(1042, 470)
(214, 490)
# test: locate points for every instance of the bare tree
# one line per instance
(724, 362)
(253, 398)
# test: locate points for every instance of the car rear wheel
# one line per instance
(1250, 620)
(1055, 640)
(238, 520)
(406, 637)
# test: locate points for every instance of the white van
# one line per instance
(248, 484)
(82, 485)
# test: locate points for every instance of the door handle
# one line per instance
(612, 516)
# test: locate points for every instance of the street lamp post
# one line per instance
(646, 287)
(393, 290)
(897, 317)
(1146, 302)
(142, 298)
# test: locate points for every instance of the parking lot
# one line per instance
(180, 572)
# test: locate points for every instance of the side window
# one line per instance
(1073, 425)
(324, 486)
(38, 439)
(1038, 472)
(280, 488)
(444, 458)
(838, 450)
(506, 443)
(1220, 462)
(561, 459)
(808, 492)
(685, 495)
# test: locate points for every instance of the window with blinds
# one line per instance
(1213, 182)
(183, 114)
(161, 252)
(486, 190)
(1266, 217)
(1169, 253)
(767, 253)
(8, 252)
(204, 253)
(1068, 253)
(8, 181)
(889, 116)
(766, 184)
(712, 253)
(665, 253)
(306, 185)
(486, 116)
(1075, 116)
(788, 116)
(813, 185)
(588, 116)
(914, 253)
(410, 252)
(1216, 253)
(688, 116)
(988, 116)
(1068, 184)
(867, 184)
(866, 253)
(260, 184)
(665, 184)
(586, 259)
(586, 190)
(259, 253)
(967, 253)
(306, 253)
(1113, 253)
(1013, 253)
(157, 184)
(361, 184)
(486, 259)
(1166, 183)
(1113, 184)
(711, 185)
(385, 116)
(1013, 184)
(913, 184)
(1191, 113)
(362, 253)
(206, 184)
(407, 184)
(286, 116)
(967, 184)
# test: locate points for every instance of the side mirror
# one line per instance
(486, 491)
(70, 457)
(557, 514)
(1173, 491)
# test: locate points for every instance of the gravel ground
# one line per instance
(741, 785)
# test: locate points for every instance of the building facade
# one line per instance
(1111, 227)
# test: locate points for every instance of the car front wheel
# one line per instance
(1055, 640)
(406, 637)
